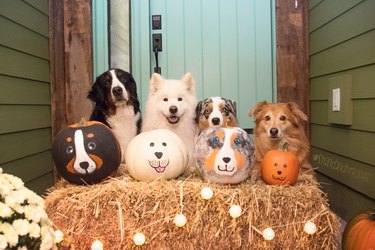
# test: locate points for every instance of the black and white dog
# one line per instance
(114, 94)
(216, 112)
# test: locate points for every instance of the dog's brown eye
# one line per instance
(224, 110)
(282, 118)
(267, 118)
(207, 112)
(165, 99)
(179, 99)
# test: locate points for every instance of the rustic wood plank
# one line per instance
(24, 117)
(356, 21)
(29, 167)
(329, 10)
(357, 145)
(17, 145)
(25, 14)
(357, 175)
(350, 54)
(363, 116)
(34, 68)
(292, 53)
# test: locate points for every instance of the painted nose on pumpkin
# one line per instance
(226, 159)
(84, 165)
(279, 172)
(158, 154)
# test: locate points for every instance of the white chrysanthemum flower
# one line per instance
(3, 242)
(19, 208)
(34, 230)
(33, 198)
(4, 189)
(19, 196)
(22, 248)
(16, 182)
(10, 201)
(5, 210)
(10, 234)
(48, 238)
(21, 226)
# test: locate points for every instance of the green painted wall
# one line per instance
(342, 48)
(25, 110)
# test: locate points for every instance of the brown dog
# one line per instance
(276, 122)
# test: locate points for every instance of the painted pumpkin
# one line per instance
(359, 233)
(224, 155)
(156, 154)
(86, 152)
(280, 167)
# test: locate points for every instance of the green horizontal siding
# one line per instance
(329, 10)
(40, 5)
(25, 117)
(35, 44)
(41, 184)
(25, 14)
(353, 53)
(314, 3)
(356, 21)
(23, 91)
(18, 145)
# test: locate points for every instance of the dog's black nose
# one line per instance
(226, 159)
(279, 172)
(117, 91)
(158, 154)
(84, 165)
(215, 121)
(274, 131)
(173, 109)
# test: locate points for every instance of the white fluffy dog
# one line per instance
(171, 105)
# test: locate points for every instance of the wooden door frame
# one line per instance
(71, 57)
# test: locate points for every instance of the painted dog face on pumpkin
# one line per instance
(158, 155)
(86, 154)
(224, 155)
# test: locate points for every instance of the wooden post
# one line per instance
(71, 67)
(292, 58)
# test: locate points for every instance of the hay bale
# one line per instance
(113, 211)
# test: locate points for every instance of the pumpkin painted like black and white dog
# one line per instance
(216, 112)
(114, 94)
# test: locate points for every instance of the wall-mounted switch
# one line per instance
(336, 100)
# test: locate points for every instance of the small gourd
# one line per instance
(156, 154)
(280, 166)
(86, 152)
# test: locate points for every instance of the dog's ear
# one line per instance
(198, 111)
(233, 105)
(96, 94)
(189, 81)
(155, 82)
(255, 111)
(293, 107)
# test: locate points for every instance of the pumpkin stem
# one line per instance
(372, 214)
(284, 145)
(82, 122)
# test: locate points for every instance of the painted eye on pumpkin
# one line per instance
(285, 165)
(91, 145)
(267, 118)
(275, 165)
(282, 118)
(164, 144)
(152, 144)
(69, 150)
(216, 140)
(237, 141)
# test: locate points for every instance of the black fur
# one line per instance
(100, 92)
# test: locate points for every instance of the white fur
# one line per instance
(165, 93)
(216, 112)
(124, 126)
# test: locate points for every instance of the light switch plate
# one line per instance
(340, 107)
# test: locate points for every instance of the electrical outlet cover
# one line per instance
(344, 115)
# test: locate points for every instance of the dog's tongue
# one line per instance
(173, 119)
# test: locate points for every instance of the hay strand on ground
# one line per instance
(114, 210)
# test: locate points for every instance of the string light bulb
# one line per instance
(235, 211)
(180, 220)
(139, 239)
(268, 233)
(310, 227)
(97, 245)
(207, 193)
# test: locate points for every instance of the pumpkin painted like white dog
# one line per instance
(224, 155)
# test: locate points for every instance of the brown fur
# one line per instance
(270, 115)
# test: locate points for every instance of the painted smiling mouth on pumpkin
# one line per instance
(225, 168)
(278, 178)
(159, 165)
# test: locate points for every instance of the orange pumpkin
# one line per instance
(86, 152)
(359, 233)
(280, 167)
